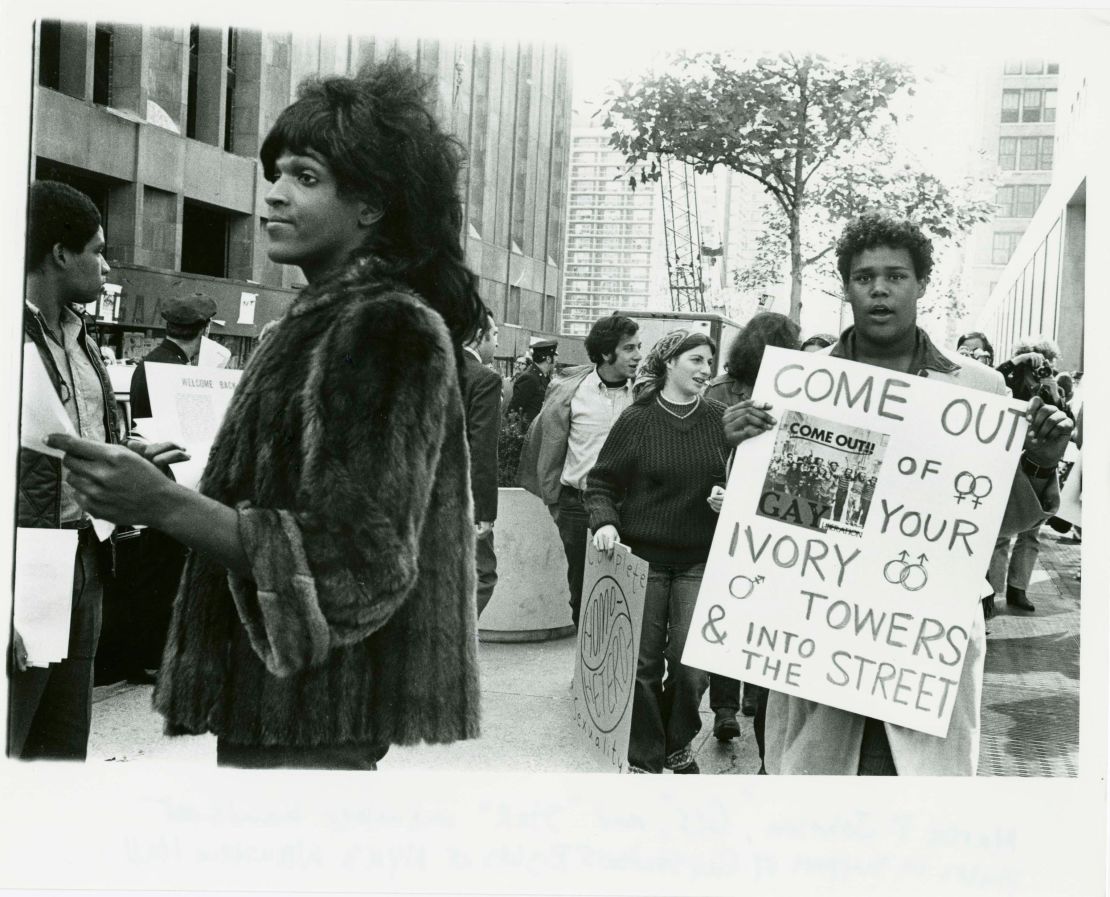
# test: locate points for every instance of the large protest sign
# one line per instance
(855, 536)
(608, 646)
(187, 405)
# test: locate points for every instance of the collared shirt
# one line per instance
(82, 393)
(474, 352)
(593, 410)
(925, 355)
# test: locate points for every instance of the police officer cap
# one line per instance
(194, 309)
(544, 349)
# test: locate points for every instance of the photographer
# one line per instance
(1029, 372)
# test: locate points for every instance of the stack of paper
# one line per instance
(44, 592)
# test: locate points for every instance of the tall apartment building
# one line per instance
(1018, 101)
(161, 126)
(614, 238)
(1042, 288)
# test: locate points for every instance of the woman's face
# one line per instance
(974, 347)
(688, 373)
(312, 222)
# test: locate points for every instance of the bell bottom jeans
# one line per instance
(665, 715)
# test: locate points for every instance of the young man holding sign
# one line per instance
(884, 266)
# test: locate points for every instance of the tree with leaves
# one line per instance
(875, 174)
(782, 121)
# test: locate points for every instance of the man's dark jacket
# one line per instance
(166, 352)
(481, 394)
(528, 392)
(40, 475)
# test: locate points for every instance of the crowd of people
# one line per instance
(339, 549)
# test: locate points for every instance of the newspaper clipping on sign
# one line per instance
(855, 537)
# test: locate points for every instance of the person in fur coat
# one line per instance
(327, 610)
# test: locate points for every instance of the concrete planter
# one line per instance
(530, 602)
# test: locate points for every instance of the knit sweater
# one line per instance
(653, 477)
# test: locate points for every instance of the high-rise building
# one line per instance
(161, 126)
(1018, 113)
(1042, 288)
(614, 246)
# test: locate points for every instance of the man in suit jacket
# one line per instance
(481, 392)
(187, 319)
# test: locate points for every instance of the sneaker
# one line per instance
(725, 726)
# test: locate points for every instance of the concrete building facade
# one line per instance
(1042, 288)
(1018, 103)
(162, 126)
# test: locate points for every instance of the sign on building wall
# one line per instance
(608, 646)
(855, 536)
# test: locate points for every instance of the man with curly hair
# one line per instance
(565, 438)
(884, 265)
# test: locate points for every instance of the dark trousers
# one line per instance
(326, 756)
(574, 525)
(50, 709)
(724, 694)
(875, 758)
(665, 703)
(486, 562)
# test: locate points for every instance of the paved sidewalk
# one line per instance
(1030, 716)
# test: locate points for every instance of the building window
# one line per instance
(1045, 162)
(1031, 106)
(1049, 105)
(1034, 66)
(1012, 67)
(512, 313)
(229, 97)
(191, 96)
(1004, 245)
(1011, 101)
(1029, 153)
(1025, 200)
(1007, 153)
(204, 234)
(1004, 202)
(50, 54)
(102, 66)
(1053, 68)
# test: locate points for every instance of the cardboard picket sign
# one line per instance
(857, 589)
(187, 406)
(605, 657)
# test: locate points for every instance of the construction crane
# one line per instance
(680, 232)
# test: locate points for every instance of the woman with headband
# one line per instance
(650, 490)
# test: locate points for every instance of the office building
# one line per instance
(162, 126)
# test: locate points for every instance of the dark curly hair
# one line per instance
(606, 334)
(746, 352)
(878, 229)
(382, 143)
(58, 213)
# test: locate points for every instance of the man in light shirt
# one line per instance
(565, 438)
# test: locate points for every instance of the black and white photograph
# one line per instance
(353, 337)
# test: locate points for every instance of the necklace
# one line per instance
(663, 403)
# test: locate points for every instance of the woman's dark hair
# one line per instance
(606, 334)
(382, 143)
(821, 340)
(58, 213)
(746, 352)
(874, 229)
(982, 337)
(653, 372)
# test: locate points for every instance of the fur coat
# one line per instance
(344, 451)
